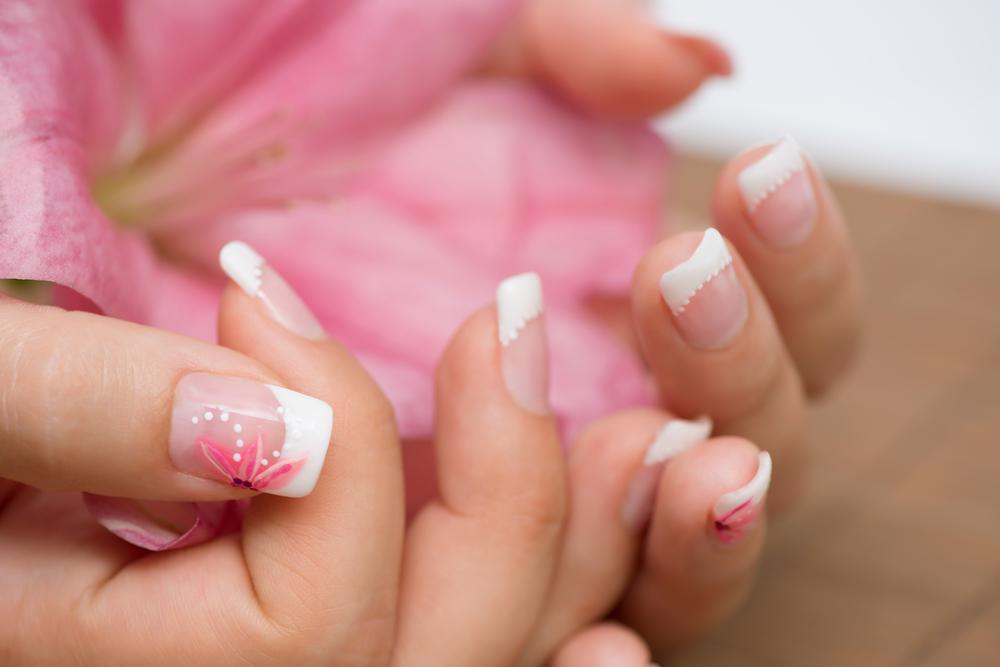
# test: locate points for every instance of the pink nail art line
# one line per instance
(736, 512)
(732, 527)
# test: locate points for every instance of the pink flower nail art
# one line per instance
(250, 469)
(736, 512)
(255, 436)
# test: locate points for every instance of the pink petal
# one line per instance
(59, 113)
(159, 526)
(276, 100)
(220, 458)
(277, 475)
(394, 267)
(515, 179)
(251, 457)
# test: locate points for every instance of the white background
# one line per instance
(898, 93)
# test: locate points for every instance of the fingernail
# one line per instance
(256, 277)
(705, 296)
(676, 436)
(736, 512)
(778, 195)
(250, 435)
(524, 350)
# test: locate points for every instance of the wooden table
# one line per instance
(894, 558)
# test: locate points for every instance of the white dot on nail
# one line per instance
(281, 409)
(239, 443)
(237, 457)
(224, 416)
(238, 428)
(194, 420)
(276, 453)
(209, 416)
(263, 462)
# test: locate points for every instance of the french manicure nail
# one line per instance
(778, 195)
(256, 277)
(524, 350)
(736, 512)
(676, 436)
(705, 296)
(250, 435)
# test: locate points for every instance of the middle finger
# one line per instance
(711, 341)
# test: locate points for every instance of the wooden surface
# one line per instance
(894, 558)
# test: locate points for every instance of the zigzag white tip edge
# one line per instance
(243, 265)
(761, 179)
(679, 285)
(519, 300)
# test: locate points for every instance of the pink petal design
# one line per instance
(278, 474)
(251, 456)
(164, 526)
(220, 458)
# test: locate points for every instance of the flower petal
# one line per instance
(273, 102)
(410, 256)
(220, 459)
(277, 475)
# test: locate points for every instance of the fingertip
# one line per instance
(618, 62)
(714, 58)
(710, 495)
(469, 357)
(604, 645)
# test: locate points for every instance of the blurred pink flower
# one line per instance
(347, 143)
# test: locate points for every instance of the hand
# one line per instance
(117, 409)
(754, 341)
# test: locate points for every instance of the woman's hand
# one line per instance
(98, 405)
(738, 340)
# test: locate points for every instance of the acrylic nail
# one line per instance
(736, 512)
(676, 436)
(778, 195)
(524, 349)
(259, 280)
(705, 296)
(246, 434)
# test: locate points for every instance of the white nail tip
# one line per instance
(312, 420)
(752, 493)
(679, 285)
(758, 181)
(243, 265)
(678, 435)
(519, 300)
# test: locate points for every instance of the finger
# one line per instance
(88, 404)
(603, 645)
(712, 344)
(775, 207)
(611, 58)
(324, 566)
(603, 528)
(703, 543)
(479, 559)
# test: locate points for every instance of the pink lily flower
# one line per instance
(344, 140)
